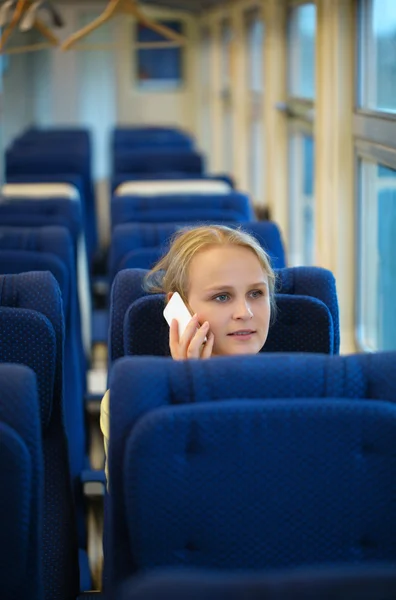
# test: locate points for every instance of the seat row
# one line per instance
(192, 482)
(262, 463)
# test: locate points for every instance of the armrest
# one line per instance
(94, 483)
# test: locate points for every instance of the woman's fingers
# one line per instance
(174, 339)
(195, 345)
(192, 343)
(188, 335)
(208, 347)
(179, 346)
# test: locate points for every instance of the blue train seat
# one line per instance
(66, 212)
(51, 249)
(141, 245)
(22, 485)
(61, 160)
(157, 160)
(181, 208)
(303, 324)
(313, 282)
(31, 333)
(371, 581)
(146, 137)
(272, 461)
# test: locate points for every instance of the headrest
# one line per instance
(156, 188)
(158, 160)
(28, 338)
(302, 325)
(40, 191)
(187, 208)
(38, 213)
(142, 244)
(22, 261)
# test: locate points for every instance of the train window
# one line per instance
(378, 55)
(301, 231)
(377, 257)
(158, 67)
(255, 84)
(301, 47)
(226, 95)
(205, 80)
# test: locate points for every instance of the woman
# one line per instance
(226, 280)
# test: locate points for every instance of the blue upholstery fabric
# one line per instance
(316, 282)
(60, 155)
(63, 133)
(21, 475)
(158, 160)
(150, 137)
(369, 582)
(52, 211)
(51, 249)
(303, 325)
(301, 281)
(182, 208)
(38, 213)
(32, 334)
(265, 461)
(140, 245)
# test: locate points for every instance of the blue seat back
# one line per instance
(267, 461)
(141, 245)
(313, 282)
(150, 137)
(234, 206)
(66, 213)
(20, 212)
(158, 160)
(22, 485)
(304, 325)
(50, 249)
(31, 323)
(62, 162)
(371, 581)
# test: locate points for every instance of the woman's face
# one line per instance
(229, 288)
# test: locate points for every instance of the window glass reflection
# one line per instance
(302, 38)
(378, 55)
(377, 257)
(302, 200)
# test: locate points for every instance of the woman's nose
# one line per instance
(243, 311)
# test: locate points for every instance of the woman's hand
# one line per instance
(191, 343)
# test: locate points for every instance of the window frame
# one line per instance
(157, 85)
(368, 151)
(254, 101)
(299, 113)
(374, 138)
(298, 101)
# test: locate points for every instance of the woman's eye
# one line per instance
(256, 293)
(221, 298)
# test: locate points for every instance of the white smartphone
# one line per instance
(176, 309)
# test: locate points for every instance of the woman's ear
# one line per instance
(169, 296)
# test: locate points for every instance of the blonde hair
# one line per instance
(170, 274)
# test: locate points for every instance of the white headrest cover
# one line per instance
(154, 188)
